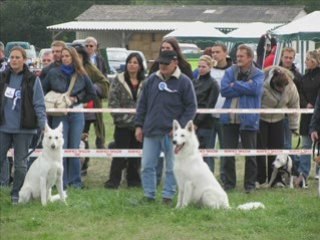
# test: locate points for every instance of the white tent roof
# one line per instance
(251, 31)
(307, 27)
(132, 25)
(196, 30)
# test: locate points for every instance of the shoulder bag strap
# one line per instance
(72, 82)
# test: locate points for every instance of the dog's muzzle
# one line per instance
(177, 147)
(53, 146)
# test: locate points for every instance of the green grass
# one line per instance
(194, 63)
(98, 213)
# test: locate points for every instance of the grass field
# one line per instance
(98, 213)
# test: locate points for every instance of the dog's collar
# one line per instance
(284, 168)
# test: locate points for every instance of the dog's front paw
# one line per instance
(180, 206)
(65, 202)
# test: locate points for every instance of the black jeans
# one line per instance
(231, 133)
(125, 139)
(271, 136)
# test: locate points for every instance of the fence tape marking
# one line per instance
(200, 110)
(105, 153)
(102, 153)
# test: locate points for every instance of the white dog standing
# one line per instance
(196, 183)
(46, 171)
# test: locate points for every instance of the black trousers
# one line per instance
(231, 133)
(270, 136)
(125, 139)
(99, 139)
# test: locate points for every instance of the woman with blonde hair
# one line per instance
(207, 92)
(58, 80)
(310, 87)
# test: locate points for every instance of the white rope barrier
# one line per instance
(202, 110)
(130, 153)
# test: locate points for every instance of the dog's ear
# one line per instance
(176, 125)
(46, 127)
(190, 126)
(60, 127)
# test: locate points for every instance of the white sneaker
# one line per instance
(262, 185)
(279, 185)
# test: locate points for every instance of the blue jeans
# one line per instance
(288, 137)
(206, 142)
(304, 162)
(73, 124)
(287, 134)
(20, 143)
(4, 173)
(152, 147)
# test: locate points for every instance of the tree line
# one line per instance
(26, 20)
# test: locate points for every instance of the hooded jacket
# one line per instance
(120, 96)
(289, 98)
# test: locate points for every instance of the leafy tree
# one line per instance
(27, 19)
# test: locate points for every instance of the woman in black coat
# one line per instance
(310, 86)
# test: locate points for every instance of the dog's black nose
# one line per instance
(174, 141)
(53, 146)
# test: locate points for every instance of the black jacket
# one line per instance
(101, 65)
(28, 114)
(315, 121)
(310, 86)
(207, 92)
(297, 76)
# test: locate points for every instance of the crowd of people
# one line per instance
(170, 91)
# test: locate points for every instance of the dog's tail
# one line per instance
(251, 206)
(56, 197)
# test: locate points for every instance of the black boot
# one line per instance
(100, 143)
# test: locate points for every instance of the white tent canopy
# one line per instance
(196, 30)
(301, 33)
(307, 27)
(250, 32)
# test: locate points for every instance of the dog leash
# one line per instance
(299, 139)
(316, 150)
(35, 147)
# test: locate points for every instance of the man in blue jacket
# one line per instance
(167, 94)
(242, 86)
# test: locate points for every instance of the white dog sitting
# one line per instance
(196, 183)
(46, 171)
(282, 165)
